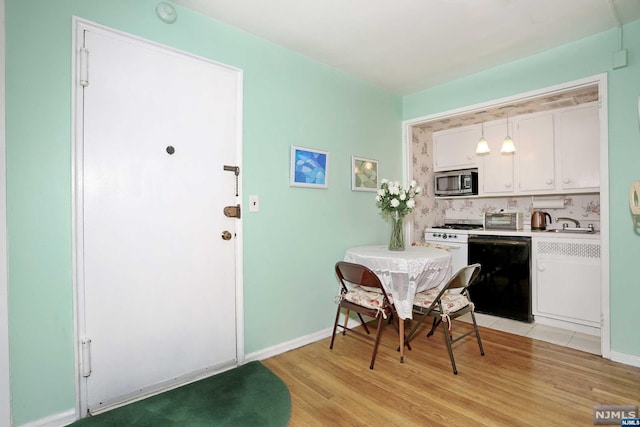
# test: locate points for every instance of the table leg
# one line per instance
(401, 327)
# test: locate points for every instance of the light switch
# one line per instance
(254, 204)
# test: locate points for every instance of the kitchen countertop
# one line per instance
(530, 233)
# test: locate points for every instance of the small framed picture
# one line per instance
(309, 167)
(364, 174)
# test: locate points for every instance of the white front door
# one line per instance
(156, 284)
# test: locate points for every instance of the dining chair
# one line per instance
(446, 304)
(373, 302)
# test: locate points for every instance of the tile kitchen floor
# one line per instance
(564, 337)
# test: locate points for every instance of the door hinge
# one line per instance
(84, 67)
(86, 357)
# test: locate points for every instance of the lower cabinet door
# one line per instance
(569, 290)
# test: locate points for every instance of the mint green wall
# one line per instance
(587, 57)
(290, 246)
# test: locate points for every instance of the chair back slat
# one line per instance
(461, 280)
(464, 277)
(357, 274)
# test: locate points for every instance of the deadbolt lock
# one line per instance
(226, 235)
(232, 211)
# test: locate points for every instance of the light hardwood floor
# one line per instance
(519, 382)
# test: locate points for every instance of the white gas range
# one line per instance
(454, 235)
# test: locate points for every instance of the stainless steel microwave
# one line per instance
(456, 183)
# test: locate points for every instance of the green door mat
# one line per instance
(249, 395)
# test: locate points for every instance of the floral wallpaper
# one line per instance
(431, 211)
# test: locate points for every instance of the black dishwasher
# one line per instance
(504, 285)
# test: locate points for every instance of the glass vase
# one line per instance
(396, 242)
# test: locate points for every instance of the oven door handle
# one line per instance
(499, 242)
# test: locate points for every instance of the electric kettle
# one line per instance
(539, 220)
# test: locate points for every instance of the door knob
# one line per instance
(226, 235)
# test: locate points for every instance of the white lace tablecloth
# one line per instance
(403, 273)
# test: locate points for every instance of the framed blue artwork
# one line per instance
(309, 167)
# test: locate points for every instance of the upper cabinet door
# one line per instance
(578, 143)
(535, 153)
(496, 174)
(455, 148)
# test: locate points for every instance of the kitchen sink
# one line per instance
(578, 230)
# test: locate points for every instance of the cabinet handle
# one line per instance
(549, 181)
(469, 156)
(566, 180)
(508, 185)
(540, 267)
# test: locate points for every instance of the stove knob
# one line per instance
(444, 236)
(453, 236)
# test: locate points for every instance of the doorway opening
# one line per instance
(417, 137)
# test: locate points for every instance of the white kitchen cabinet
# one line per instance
(495, 173)
(535, 155)
(557, 151)
(578, 145)
(455, 148)
(566, 280)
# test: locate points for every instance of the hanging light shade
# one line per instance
(483, 145)
(507, 144)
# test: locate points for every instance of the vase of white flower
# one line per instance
(396, 202)
(396, 242)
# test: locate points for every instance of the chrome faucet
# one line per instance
(575, 221)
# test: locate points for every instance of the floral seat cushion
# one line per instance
(373, 300)
(451, 302)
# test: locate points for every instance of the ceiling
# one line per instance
(405, 46)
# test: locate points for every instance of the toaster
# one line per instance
(504, 221)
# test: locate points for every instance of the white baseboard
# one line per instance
(627, 359)
(288, 346)
(570, 326)
(296, 343)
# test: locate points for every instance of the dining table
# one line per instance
(403, 274)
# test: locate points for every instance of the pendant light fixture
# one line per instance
(507, 144)
(483, 145)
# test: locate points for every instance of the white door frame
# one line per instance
(601, 81)
(80, 25)
(5, 390)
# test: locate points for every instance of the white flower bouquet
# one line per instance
(393, 199)
(396, 202)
